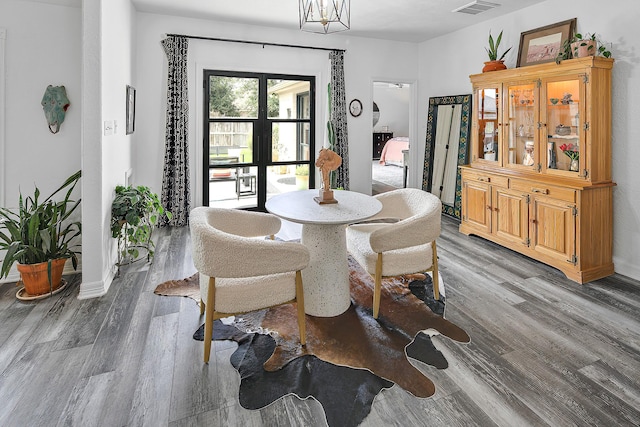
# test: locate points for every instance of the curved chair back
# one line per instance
(240, 273)
(418, 216)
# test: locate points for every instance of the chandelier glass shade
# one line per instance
(324, 16)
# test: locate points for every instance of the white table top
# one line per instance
(299, 206)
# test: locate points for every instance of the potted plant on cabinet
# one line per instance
(134, 213)
(39, 237)
(495, 63)
(581, 46)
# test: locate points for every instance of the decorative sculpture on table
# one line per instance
(328, 160)
(55, 104)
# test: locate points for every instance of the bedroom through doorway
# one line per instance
(390, 139)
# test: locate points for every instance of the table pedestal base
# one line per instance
(326, 280)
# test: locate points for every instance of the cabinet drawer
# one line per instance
(486, 177)
(534, 188)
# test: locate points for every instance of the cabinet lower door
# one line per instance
(511, 216)
(477, 206)
(554, 229)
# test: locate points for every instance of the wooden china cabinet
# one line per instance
(539, 178)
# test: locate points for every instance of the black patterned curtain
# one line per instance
(175, 180)
(339, 117)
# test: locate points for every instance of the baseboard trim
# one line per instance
(96, 289)
(626, 269)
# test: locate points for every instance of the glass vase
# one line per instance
(574, 166)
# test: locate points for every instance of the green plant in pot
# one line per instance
(582, 45)
(40, 236)
(134, 213)
(302, 177)
(495, 62)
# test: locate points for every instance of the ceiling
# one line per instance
(401, 20)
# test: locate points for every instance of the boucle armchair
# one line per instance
(405, 246)
(240, 273)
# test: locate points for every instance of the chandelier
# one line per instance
(324, 16)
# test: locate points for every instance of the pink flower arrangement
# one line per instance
(570, 151)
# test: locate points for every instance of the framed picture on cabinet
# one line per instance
(542, 44)
(131, 109)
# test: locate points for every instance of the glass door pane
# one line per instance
(291, 129)
(258, 137)
(488, 111)
(233, 97)
(563, 125)
(520, 129)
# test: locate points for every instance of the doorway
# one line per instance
(391, 131)
(258, 137)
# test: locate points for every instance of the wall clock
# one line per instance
(355, 107)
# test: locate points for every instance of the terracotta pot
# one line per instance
(494, 66)
(35, 278)
(583, 48)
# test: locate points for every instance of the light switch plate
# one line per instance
(108, 127)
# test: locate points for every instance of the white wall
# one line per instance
(33, 155)
(360, 69)
(393, 103)
(35, 57)
(619, 26)
(108, 67)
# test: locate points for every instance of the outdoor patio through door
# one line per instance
(258, 137)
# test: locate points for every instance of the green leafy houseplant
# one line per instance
(302, 170)
(492, 50)
(41, 231)
(134, 213)
(589, 42)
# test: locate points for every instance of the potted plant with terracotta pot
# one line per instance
(40, 235)
(495, 63)
(581, 46)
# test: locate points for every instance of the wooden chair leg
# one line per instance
(300, 304)
(434, 268)
(208, 320)
(377, 287)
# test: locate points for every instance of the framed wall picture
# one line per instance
(542, 44)
(131, 109)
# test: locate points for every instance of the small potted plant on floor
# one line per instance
(134, 213)
(302, 177)
(495, 63)
(40, 235)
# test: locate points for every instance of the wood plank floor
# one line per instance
(544, 351)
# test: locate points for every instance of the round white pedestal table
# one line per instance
(326, 279)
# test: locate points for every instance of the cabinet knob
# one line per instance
(540, 190)
(488, 207)
(534, 221)
(484, 179)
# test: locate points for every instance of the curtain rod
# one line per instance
(254, 42)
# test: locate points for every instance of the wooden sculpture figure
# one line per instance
(328, 160)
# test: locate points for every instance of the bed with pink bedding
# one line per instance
(392, 150)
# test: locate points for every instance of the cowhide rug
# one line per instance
(348, 359)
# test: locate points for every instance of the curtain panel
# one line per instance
(338, 118)
(175, 180)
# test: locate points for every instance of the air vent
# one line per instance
(476, 7)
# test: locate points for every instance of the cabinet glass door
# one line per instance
(521, 125)
(562, 105)
(488, 102)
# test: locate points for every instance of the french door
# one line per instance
(258, 137)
